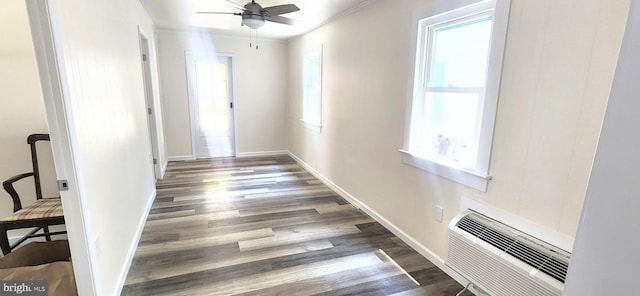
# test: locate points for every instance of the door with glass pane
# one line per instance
(211, 100)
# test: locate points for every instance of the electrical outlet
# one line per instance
(96, 243)
(439, 213)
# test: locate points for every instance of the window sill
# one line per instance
(312, 126)
(467, 178)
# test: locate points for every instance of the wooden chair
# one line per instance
(43, 213)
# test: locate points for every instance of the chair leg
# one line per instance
(4, 241)
(46, 230)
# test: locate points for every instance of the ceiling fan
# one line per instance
(254, 15)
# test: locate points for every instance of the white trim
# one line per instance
(307, 117)
(420, 248)
(494, 78)
(262, 153)
(193, 102)
(234, 100)
(190, 56)
(433, 14)
(346, 195)
(472, 179)
(193, 112)
(164, 168)
(312, 126)
(54, 84)
(149, 100)
(180, 158)
(134, 245)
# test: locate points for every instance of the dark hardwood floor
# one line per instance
(265, 226)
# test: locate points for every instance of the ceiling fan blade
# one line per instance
(213, 12)
(280, 9)
(236, 5)
(281, 20)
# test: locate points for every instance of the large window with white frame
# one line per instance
(312, 89)
(458, 66)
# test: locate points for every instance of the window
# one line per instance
(456, 81)
(312, 89)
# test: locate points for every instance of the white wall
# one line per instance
(260, 83)
(605, 258)
(21, 108)
(99, 52)
(559, 63)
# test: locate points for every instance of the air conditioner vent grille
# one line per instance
(555, 268)
(496, 239)
(471, 226)
(543, 260)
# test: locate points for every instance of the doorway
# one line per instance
(53, 81)
(148, 93)
(210, 78)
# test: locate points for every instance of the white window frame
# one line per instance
(309, 119)
(438, 14)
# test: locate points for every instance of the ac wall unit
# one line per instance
(504, 261)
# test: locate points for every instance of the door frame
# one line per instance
(53, 80)
(145, 63)
(193, 101)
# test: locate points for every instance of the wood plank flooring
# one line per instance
(265, 226)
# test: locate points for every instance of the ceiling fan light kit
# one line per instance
(253, 21)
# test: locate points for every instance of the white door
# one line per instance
(211, 104)
(148, 92)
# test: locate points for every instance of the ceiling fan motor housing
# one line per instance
(253, 16)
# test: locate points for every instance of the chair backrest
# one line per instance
(32, 140)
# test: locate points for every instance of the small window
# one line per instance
(456, 82)
(312, 89)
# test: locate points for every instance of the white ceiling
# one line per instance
(181, 15)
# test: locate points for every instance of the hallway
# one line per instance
(265, 226)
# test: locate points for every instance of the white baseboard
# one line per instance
(132, 248)
(181, 158)
(420, 248)
(163, 170)
(239, 154)
(262, 153)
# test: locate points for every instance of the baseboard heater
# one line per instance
(503, 261)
